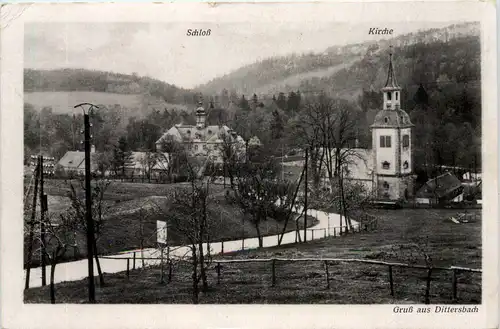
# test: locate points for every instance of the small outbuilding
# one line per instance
(444, 188)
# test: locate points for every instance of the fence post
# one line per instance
(454, 283)
(222, 247)
(312, 234)
(133, 264)
(391, 281)
(273, 272)
(243, 243)
(324, 232)
(334, 231)
(218, 273)
(128, 268)
(327, 275)
(428, 286)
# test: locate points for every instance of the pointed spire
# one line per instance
(391, 78)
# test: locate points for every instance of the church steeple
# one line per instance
(391, 90)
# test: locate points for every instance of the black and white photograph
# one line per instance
(225, 161)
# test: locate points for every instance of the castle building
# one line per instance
(202, 140)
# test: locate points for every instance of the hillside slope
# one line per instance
(61, 89)
(346, 70)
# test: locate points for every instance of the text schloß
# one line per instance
(198, 33)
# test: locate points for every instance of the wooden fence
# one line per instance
(327, 262)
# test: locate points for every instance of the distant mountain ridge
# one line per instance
(314, 72)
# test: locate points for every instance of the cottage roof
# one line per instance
(76, 160)
(440, 186)
(72, 159)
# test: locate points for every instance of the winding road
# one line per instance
(329, 224)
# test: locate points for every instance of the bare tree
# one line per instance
(56, 243)
(339, 143)
(187, 213)
(147, 162)
(99, 210)
(231, 152)
(257, 193)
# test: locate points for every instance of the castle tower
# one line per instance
(201, 116)
(392, 152)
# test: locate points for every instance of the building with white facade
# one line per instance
(204, 140)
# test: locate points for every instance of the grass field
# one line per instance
(126, 204)
(447, 243)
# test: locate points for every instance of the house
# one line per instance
(73, 163)
(446, 187)
(202, 140)
(142, 164)
(148, 164)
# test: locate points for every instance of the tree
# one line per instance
(148, 161)
(187, 213)
(281, 101)
(232, 153)
(99, 211)
(243, 103)
(122, 157)
(257, 192)
(56, 243)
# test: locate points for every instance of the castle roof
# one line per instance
(207, 134)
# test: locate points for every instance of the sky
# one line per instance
(164, 51)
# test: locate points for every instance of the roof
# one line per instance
(440, 186)
(139, 158)
(392, 118)
(391, 83)
(72, 159)
(76, 160)
(208, 134)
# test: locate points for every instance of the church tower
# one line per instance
(391, 137)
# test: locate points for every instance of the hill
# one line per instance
(62, 102)
(61, 89)
(347, 70)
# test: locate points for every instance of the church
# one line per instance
(391, 153)
(385, 170)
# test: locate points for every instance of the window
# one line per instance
(196, 147)
(406, 165)
(386, 185)
(389, 96)
(204, 146)
(406, 141)
(397, 95)
(188, 132)
(386, 119)
(386, 165)
(385, 141)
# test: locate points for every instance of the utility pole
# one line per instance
(88, 202)
(32, 226)
(42, 223)
(305, 197)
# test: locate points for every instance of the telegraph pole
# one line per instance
(42, 223)
(305, 197)
(88, 202)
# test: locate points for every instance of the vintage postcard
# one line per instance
(281, 165)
